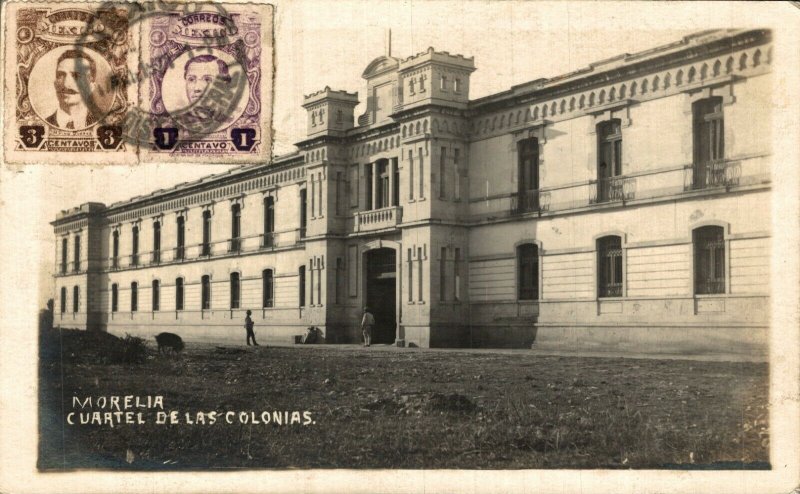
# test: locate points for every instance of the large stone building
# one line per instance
(621, 206)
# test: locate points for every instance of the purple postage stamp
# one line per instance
(65, 99)
(209, 90)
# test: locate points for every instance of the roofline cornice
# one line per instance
(508, 98)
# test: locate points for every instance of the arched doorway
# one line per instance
(381, 292)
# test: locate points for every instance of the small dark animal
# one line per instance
(169, 340)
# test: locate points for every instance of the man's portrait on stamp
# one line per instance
(192, 84)
(75, 74)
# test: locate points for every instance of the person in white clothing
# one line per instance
(367, 323)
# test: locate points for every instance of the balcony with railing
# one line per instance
(234, 245)
(155, 257)
(267, 240)
(649, 184)
(720, 173)
(612, 189)
(377, 219)
(134, 259)
(530, 201)
(179, 253)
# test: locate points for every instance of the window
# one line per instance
(340, 193)
(63, 299)
(609, 156)
(528, 175)
(443, 83)
(419, 274)
(395, 183)
(135, 246)
(77, 255)
(236, 291)
(205, 248)
(457, 85)
(368, 186)
(443, 275)
(528, 272)
(410, 277)
(709, 260)
(134, 296)
(339, 280)
(180, 251)
(303, 207)
(156, 295)
(301, 285)
(75, 298)
(267, 288)
(456, 175)
(115, 249)
(114, 297)
(384, 191)
(609, 266)
(457, 275)
(205, 292)
(421, 175)
(64, 247)
(411, 174)
(178, 293)
(353, 186)
(442, 173)
(236, 227)
(709, 142)
(157, 242)
(269, 221)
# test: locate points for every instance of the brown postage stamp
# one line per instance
(65, 94)
(205, 75)
(121, 83)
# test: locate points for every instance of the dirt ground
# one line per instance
(402, 409)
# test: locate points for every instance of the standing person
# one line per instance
(367, 322)
(248, 325)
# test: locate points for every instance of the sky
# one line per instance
(330, 44)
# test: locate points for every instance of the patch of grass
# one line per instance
(413, 409)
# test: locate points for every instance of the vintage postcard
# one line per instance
(66, 92)
(467, 247)
(207, 83)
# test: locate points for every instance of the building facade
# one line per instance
(622, 206)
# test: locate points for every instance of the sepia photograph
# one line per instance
(478, 247)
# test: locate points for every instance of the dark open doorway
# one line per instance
(381, 293)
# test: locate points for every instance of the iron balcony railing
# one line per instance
(234, 244)
(612, 189)
(713, 174)
(530, 201)
(267, 240)
(155, 257)
(205, 249)
(134, 259)
(611, 290)
(179, 253)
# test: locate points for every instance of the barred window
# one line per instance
(609, 266)
(709, 260)
(114, 297)
(156, 295)
(205, 292)
(528, 266)
(236, 291)
(301, 285)
(179, 294)
(134, 296)
(267, 288)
